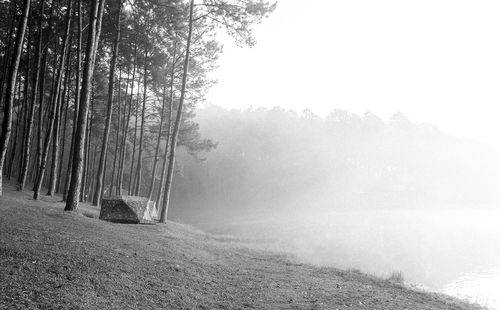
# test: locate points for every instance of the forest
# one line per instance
(274, 162)
(97, 95)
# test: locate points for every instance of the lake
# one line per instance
(482, 288)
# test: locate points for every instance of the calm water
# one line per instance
(452, 251)
(482, 288)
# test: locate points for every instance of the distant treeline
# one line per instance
(275, 160)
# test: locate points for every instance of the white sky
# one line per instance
(433, 60)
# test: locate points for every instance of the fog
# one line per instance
(349, 191)
(359, 191)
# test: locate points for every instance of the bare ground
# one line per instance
(50, 259)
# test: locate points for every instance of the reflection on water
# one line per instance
(443, 250)
(481, 288)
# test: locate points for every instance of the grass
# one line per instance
(354, 270)
(396, 277)
(90, 214)
(50, 259)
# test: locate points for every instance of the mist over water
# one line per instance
(451, 251)
(481, 288)
(351, 192)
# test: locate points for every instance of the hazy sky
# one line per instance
(433, 60)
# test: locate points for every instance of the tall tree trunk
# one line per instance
(42, 110)
(158, 141)
(86, 151)
(104, 178)
(77, 100)
(131, 178)
(126, 127)
(26, 99)
(104, 147)
(65, 102)
(161, 187)
(100, 12)
(19, 114)
(64, 122)
(123, 139)
(118, 130)
(16, 131)
(54, 111)
(31, 115)
(54, 180)
(41, 90)
(50, 103)
(6, 57)
(55, 150)
(89, 174)
(11, 86)
(91, 152)
(175, 134)
(123, 150)
(72, 199)
(137, 190)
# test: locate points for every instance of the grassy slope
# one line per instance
(50, 259)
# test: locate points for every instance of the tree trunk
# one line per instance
(137, 190)
(158, 141)
(41, 90)
(54, 111)
(72, 199)
(65, 101)
(131, 181)
(77, 100)
(123, 140)
(161, 187)
(6, 57)
(11, 86)
(100, 12)
(92, 154)
(118, 130)
(31, 115)
(104, 147)
(26, 100)
(171, 160)
(104, 178)
(86, 150)
(56, 156)
(125, 128)
(55, 150)
(16, 131)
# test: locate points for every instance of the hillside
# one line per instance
(55, 260)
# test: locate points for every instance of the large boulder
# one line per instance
(128, 209)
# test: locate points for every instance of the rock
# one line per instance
(128, 209)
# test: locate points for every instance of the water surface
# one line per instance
(455, 251)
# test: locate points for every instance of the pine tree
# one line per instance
(11, 86)
(72, 198)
